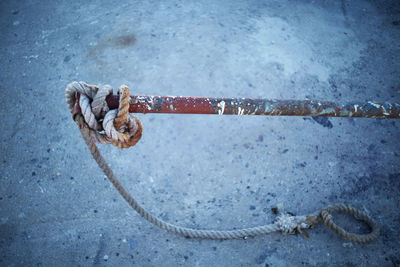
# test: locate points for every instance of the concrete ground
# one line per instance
(202, 171)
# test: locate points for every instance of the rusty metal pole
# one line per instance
(253, 106)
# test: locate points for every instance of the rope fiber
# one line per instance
(99, 124)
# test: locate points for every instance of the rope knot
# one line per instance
(288, 223)
(103, 125)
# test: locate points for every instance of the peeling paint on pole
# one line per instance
(252, 106)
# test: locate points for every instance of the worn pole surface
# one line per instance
(253, 106)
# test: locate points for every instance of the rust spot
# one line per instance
(124, 41)
(117, 42)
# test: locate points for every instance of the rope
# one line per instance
(99, 124)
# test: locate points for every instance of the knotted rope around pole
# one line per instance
(99, 124)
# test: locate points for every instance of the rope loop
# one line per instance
(105, 126)
(327, 218)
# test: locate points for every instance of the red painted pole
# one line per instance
(253, 106)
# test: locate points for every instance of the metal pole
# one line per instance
(253, 106)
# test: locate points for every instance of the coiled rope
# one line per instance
(99, 124)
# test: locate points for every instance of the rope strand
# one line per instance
(124, 130)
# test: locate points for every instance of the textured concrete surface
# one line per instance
(218, 172)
